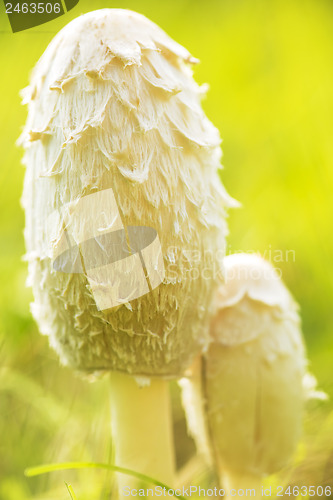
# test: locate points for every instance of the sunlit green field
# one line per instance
(269, 64)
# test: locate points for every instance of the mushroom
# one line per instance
(244, 398)
(125, 214)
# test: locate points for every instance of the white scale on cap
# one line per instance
(121, 264)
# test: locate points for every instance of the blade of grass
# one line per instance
(70, 491)
(43, 469)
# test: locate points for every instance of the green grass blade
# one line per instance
(43, 469)
(70, 491)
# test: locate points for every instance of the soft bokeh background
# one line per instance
(270, 69)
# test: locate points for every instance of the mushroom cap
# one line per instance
(255, 399)
(114, 114)
(251, 378)
(248, 274)
(252, 293)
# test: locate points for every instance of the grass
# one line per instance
(71, 491)
(43, 469)
(269, 65)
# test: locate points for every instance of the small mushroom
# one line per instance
(125, 214)
(244, 398)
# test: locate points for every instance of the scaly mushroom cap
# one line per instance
(252, 294)
(252, 375)
(116, 139)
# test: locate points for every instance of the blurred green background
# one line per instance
(269, 64)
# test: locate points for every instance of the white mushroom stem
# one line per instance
(141, 430)
(242, 485)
